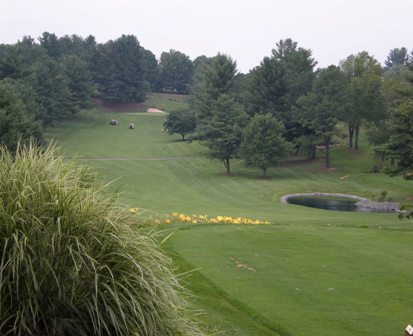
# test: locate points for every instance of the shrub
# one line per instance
(70, 262)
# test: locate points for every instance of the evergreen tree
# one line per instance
(216, 77)
(223, 131)
(16, 123)
(267, 88)
(299, 66)
(78, 80)
(275, 85)
(51, 91)
(119, 70)
(399, 147)
(50, 43)
(397, 57)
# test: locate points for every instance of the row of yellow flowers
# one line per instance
(176, 218)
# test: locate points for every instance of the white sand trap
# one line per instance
(154, 110)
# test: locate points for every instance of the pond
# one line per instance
(329, 203)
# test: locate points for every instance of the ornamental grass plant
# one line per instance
(72, 262)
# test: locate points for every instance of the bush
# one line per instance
(70, 262)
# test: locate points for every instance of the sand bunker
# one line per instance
(154, 110)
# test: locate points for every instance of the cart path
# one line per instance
(127, 158)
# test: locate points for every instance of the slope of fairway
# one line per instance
(309, 272)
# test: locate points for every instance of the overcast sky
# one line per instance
(245, 30)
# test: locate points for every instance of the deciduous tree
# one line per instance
(365, 101)
(322, 107)
(175, 72)
(263, 145)
(180, 122)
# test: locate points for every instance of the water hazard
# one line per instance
(328, 203)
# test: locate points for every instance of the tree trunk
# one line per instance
(356, 142)
(264, 171)
(350, 135)
(183, 137)
(327, 144)
(227, 165)
(314, 152)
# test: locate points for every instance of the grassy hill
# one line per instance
(308, 272)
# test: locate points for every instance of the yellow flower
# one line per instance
(133, 210)
(175, 214)
(167, 221)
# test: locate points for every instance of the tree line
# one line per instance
(285, 105)
(50, 79)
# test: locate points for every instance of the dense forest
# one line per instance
(283, 105)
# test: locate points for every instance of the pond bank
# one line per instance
(361, 201)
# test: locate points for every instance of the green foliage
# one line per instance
(71, 264)
(51, 91)
(175, 72)
(119, 72)
(365, 100)
(54, 74)
(16, 123)
(395, 89)
(181, 122)
(262, 143)
(299, 69)
(78, 80)
(150, 66)
(266, 88)
(50, 43)
(400, 144)
(216, 77)
(322, 107)
(219, 117)
(275, 85)
(406, 212)
(397, 57)
(223, 132)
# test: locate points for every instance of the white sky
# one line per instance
(245, 30)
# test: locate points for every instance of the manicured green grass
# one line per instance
(316, 272)
(167, 101)
(317, 280)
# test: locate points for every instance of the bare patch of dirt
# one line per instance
(154, 110)
(239, 264)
